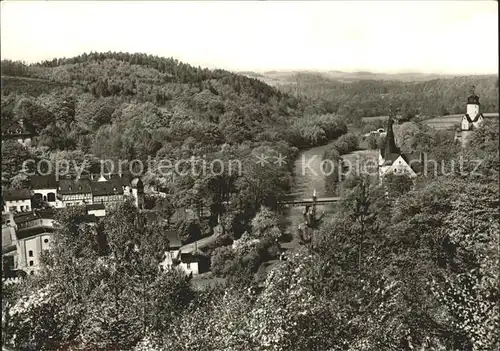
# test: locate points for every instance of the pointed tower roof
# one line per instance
(390, 142)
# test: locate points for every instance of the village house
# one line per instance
(106, 191)
(174, 257)
(44, 189)
(392, 160)
(74, 192)
(16, 200)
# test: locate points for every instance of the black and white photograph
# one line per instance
(250, 175)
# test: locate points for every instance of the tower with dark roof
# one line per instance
(392, 160)
(473, 118)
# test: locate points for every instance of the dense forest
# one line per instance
(370, 97)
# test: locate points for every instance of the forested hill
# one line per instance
(148, 98)
(364, 94)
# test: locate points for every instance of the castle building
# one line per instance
(392, 160)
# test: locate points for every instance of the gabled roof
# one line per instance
(25, 217)
(174, 241)
(413, 160)
(71, 186)
(475, 118)
(31, 231)
(16, 194)
(111, 187)
(43, 182)
(188, 258)
(93, 207)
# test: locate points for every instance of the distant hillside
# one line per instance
(290, 77)
(366, 94)
(120, 104)
(29, 86)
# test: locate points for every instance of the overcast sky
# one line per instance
(393, 36)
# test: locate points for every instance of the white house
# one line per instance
(392, 160)
(16, 200)
(44, 190)
(174, 258)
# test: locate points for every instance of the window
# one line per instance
(27, 208)
(32, 272)
(30, 253)
(45, 240)
(44, 198)
(188, 265)
(21, 208)
(31, 263)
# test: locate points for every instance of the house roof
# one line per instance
(71, 186)
(188, 258)
(173, 239)
(16, 194)
(36, 214)
(475, 118)
(43, 182)
(412, 159)
(25, 217)
(27, 232)
(95, 207)
(390, 158)
(110, 187)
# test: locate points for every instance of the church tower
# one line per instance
(473, 118)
